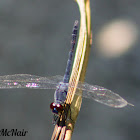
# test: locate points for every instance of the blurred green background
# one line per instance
(35, 39)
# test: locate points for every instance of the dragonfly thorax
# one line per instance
(59, 98)
(61, 93)
(62, 86)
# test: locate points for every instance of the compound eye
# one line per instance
(59, 107)
(52, 106)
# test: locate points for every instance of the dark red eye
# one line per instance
(52, 106)
(59, 107)
(56, 108)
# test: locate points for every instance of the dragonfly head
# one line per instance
(56, 108)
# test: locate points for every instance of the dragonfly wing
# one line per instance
(102, 95)
(29, 81)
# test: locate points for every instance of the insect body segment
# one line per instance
(62, 88)
(69, 62)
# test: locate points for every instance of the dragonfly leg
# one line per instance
(67, 108)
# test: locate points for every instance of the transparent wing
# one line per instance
(102, 95)
(29, 81)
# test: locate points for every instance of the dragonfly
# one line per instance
(61, 85)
